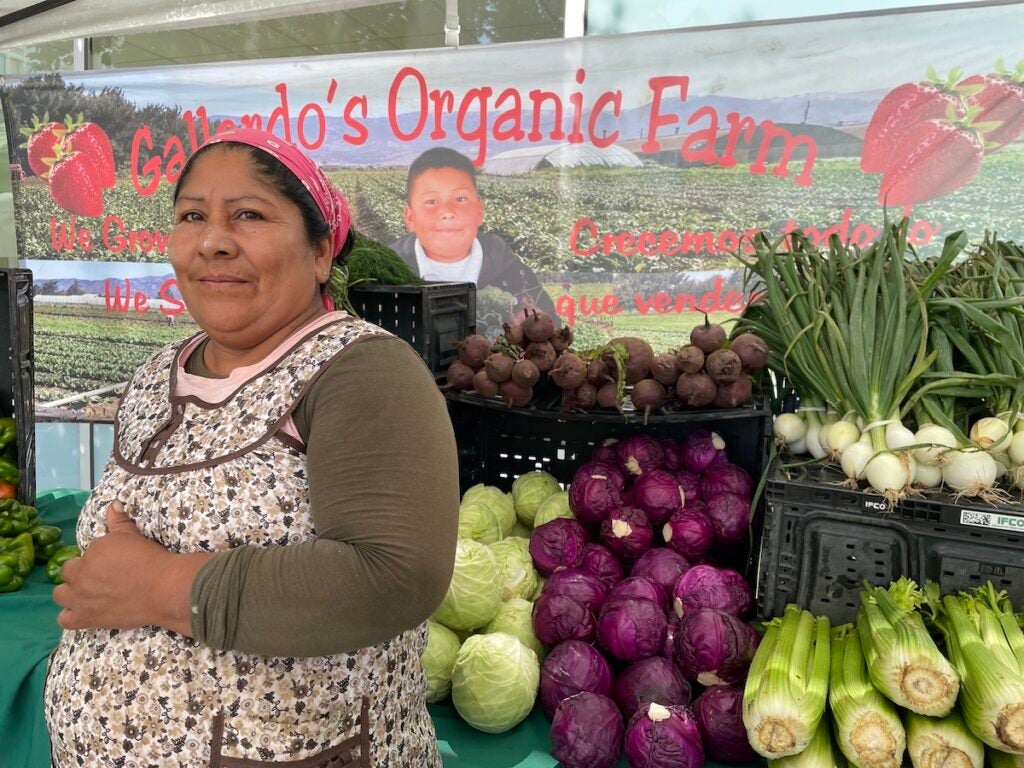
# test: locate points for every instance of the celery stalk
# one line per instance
(903, 661)
(866, 724)
(787, 685)
(942, 742)
(820, 753)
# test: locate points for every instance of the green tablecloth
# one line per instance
(29, 631)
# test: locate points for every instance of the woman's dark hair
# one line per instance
(274, 172)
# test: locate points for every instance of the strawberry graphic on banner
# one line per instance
(42, 137)
(74, 183)
(1001, 98)
(92, 141)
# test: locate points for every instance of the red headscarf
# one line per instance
(328, 198)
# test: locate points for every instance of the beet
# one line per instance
(639, 357)
(460, 376)
(582, 398)
(525, 373)
(562, 339)
(538, 326)
(690, 359)
(484, 385)
(499, 367)
(608, 396)
(473, 350)
(513, 334)
(647, 395)
(664, 369)
(708, 337)
(696, 389)
(597, 372)
(751, 350)
(515, 395)
(569, 371)
(541, 354)
(734, 393)
(723, 365)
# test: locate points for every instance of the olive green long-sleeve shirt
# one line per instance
(384, 496)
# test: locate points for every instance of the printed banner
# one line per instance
(618, 181)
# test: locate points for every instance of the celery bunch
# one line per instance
(942, 742)
(820, 753)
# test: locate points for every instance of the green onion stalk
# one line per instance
(903, 661)
(787, 685)
(986, 646)
(821, 752)
(942, 742)
(866, 725)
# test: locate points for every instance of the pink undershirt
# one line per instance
(216, 390)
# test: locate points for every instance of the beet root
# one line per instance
(690, 359)
(499, 367)
(751, 350)
(639, 357)
(608, 396)
(460, 376)
(515, 395)
(708, 337)
(562, 339)
(541, 354)
(696, 389)
(733, 394)
(583, 398)
(538, 326)
(513, 334)
(665, 369)
(569, 371)
(648, 395)
(597, 372)
(723, 365)
(484, 385)
(525, 373)
(473, 350)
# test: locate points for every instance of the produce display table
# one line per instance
(29, 632)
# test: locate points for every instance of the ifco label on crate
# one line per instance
(998, 520)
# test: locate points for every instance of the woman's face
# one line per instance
(245, 267)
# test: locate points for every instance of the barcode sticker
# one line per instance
(998, 520)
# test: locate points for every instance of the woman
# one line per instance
(278, 518)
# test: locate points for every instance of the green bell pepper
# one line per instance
(18, 553)
(16, 518)
(8, 431)
(9, 471)
(55, 565)
(9, 580)
(48, 539)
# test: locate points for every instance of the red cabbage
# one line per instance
(557, 618)
(593, 497)
(640, 453)
(696, 505)
(661, 565)
(669, 650)
(701, 449)
(572, 667)
(719, 715)
(671, 448)
(654, 679)
(587, 731)
(631, 629)
(726, 478)
(658, 494)
(713, 647)
(627, 533)
(607, 451)
(639, 588)
(689, 533)
(583, 587)
(664, 737)
(730, 515)
(558, 544)
(610, 470)
(599, 561)
(707, 586)
(690, 483)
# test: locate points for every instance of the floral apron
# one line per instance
(201, 477)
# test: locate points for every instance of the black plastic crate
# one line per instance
(17, 371)
(430, 316)
(822, 540)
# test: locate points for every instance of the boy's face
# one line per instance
(445, 212)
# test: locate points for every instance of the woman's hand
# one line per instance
(125, 581)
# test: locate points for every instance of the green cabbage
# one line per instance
(439, 660)
(520, 531)
(478, 522)
(515, 616)
(475, 591)
(499, 502)
(518, 576)
(529, 491)
(495, 681)
(556, 505)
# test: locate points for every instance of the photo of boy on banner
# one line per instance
(444, 215)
